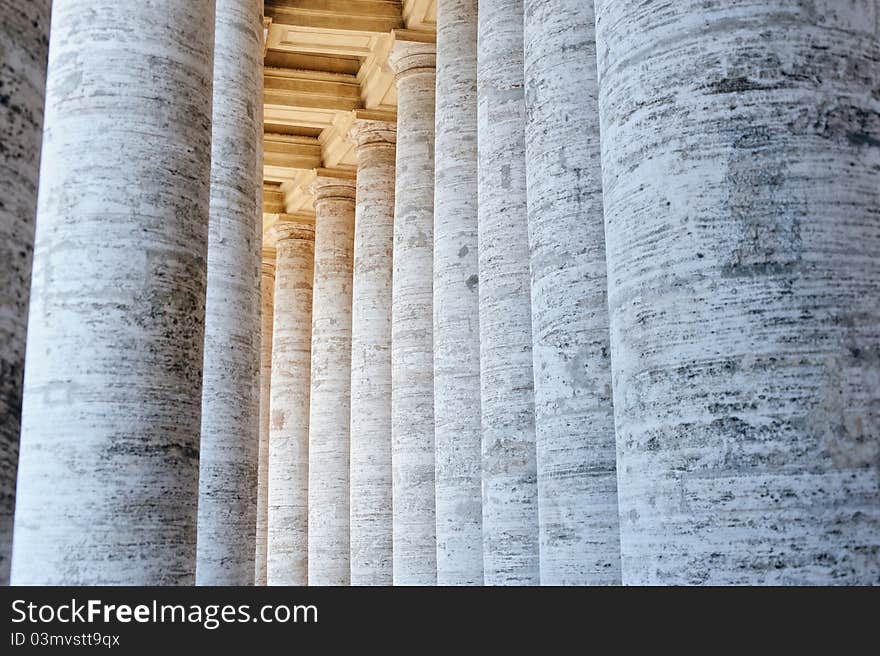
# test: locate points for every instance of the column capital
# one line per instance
(373, 128)
(412, 53)
(332, 184)
(369, 132)
(293, 228)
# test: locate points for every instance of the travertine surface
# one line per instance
(741, 150)
(412, 351)
(329, 416)
(24, 44)
(574, 416)
(287, 550)
(267, 295)
(510, 494)
(231, 388)
(108, 476)
(371, 496)
(456, 300)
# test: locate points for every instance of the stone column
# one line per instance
(267, 295)
(287, 550)
(329, 415)
(24, 42)
(741, 195)
(456, 300)
(510, 495)
(412, 349)
(371, 515)
(231, 389)
(577, 484)
(108, 478)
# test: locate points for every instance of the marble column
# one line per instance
(574, 416)
(457, 432)
(267, 295)
(371, 515)
(329, 415)
(412, 349)
(231, 388)
(24, 42)
(510, 494)
(287, 543)
(108, 475)
(741, 194)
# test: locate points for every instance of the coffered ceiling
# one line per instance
(325, 62)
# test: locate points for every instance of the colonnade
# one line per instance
(601, 306)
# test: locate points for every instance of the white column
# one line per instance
(741, 152)
(329, 416)
(510, 495)
(231, 389)
(371, 496)
(457, 430)
(24, 42)
(267, 296)
(577, 482)
(108, 475)
(412, 349)
(287, 548)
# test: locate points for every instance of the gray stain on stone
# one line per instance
(740, 230)
(108, 478)
(509, 469)
(23, 53)
(230, 399)
(456, 311)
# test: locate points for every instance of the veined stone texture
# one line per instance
(741, 155)
(231, 389)
(264, 340)
(267, 295)
(371, 495)
(574, 415)
(412, 349)
(510, 494)
(24, 46)
(287, 550)
(108, 478)
(329, 416)
(457, 431)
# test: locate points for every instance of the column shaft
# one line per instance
(329, 416)
(24, 42)
(267, 295)
(287, 548)
(412, 350)
(371, 496)
(108, 479)
(456, 300)
(741, 195)
(231, 389)
(510, 496)
(574, 415)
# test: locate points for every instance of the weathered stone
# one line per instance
(510, 495)
(108, 479)
(231, 389)
(457, 433)
(329, 416)
(412, 350)
(267, 295)
(24, 45)
(740, 154)
(287, 550)
(371, 496)
(574, 416)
